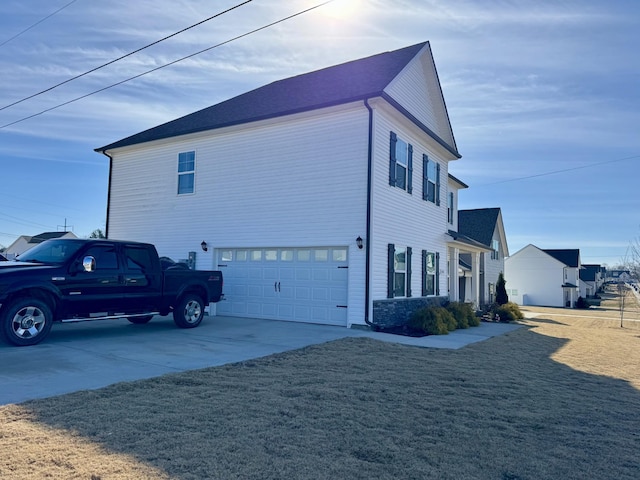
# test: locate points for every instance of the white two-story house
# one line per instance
(322, 197)
(544, 277)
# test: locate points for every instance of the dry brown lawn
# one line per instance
(556, 399)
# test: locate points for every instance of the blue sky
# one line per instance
(543, 96)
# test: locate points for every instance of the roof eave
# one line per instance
(124, 143)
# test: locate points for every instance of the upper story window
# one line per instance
(400, 163)
(186, 172)
(430, 180)
(450, 209)
(495, 250)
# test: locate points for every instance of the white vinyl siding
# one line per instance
(536, 277)
(294, 181)
(418, 90)
(402, 219)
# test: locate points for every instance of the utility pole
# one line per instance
(65, 226)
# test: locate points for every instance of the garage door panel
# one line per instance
(303, 273)
(303, 293)
(321, 274)
(270, 273)
(287, 274)
(320, 294)
(286, 284)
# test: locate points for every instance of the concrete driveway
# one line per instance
(86, 356)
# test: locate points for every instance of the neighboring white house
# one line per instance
(544, 277)
(322, 197)
(24, 242)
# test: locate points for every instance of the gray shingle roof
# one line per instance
(348, 82)
(478, 224)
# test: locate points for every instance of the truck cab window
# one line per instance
(105, 255)
(138, 259)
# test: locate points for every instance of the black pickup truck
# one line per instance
(73, 280)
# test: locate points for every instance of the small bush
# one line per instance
(582, 303)
(463, 313)
(508, 312)
(448, 318)
(432, 320)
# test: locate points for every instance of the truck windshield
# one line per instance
(51, 251)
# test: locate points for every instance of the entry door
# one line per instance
(301, 284)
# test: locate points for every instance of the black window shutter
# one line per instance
(425, 175)
(424, 273)
(408, 267)
(391, 251)
(410, 170)
(392, 159)
(438, 185)
(438, 273)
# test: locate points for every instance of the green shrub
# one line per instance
(508, 312)
(432, 320)
(582, 303)
(463, 313)
(448, 318)
(501, 291)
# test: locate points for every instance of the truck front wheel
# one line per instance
(26, 321)
(189, 311)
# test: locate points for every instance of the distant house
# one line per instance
(592, 276)
(485, 226)
(24, 242)
(544, 277)
(618, 275)
(322, 197)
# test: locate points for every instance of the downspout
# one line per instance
(367, 274)
(106, 227)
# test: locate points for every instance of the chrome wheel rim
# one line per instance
(192, 311)
(28, 322)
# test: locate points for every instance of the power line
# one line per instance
(124, 56)
(37, 23)
(167, 64)
(544, 174)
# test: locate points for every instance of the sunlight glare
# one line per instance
(342, 9)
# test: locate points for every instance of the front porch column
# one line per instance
(454, 263)
(475, 280)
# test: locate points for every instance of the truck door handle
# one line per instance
(278, 286)
(275, 286)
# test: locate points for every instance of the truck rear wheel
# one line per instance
(189, 311)
(26, 321)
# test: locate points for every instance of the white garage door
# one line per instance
(296, 284)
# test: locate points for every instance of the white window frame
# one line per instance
(397, 272)
(430, 272)
(402, 163)
(186, 173)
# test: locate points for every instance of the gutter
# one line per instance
(106, 227)
(367, 274)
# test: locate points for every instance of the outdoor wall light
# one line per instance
(359, 242)
(204, 246)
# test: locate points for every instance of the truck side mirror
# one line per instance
(89, 263)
